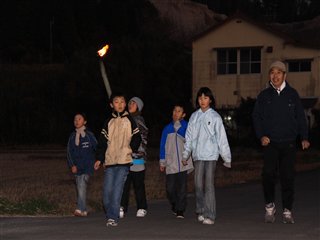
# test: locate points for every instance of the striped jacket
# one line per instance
(118, 139)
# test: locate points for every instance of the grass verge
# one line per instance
(28, 207)
(38, 182)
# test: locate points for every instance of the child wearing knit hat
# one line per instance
(137, 170)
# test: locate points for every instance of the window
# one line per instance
(249, 60)
(302, 65)
(227, 61)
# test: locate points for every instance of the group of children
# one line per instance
(121, 149)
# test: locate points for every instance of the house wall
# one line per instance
(229, 89)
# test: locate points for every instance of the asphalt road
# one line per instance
(240, 212)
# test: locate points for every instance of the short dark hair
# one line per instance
(207, 92)
(82, 114)
(180, 104)
(117, 94)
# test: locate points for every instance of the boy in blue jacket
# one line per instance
(81, 156)
(171, 147)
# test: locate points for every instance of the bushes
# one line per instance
(238, 124)
(241, 131)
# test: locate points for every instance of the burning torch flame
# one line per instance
(103, 50)
(101, 53)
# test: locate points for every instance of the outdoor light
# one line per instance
(227, 118)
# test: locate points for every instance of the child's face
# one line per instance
(132, 107)
(118, 104)
(79, 121)
(204, 102)
(178, 113)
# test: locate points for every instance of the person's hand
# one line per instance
(162, 168)
(305, 144)
(97, 165)
(227, 164)
(265, 141)
(184, 162)
(74, 169)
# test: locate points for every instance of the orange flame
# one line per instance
(103, 50)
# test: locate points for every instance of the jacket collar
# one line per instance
(119, 114)
(283, 86)
(208, 110)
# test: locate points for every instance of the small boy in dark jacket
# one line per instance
(81, 155)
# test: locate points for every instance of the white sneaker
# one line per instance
(208, 221)
(269, 216)
(84, 213)
(200, 218)
(287, 216)
(121, 213)
(79, 213)
(112, 223)
(141, 213)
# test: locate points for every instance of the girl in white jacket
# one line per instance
(206, 139)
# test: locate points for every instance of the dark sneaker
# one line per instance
(173, 209)
(180, 214)
(112, 223)
(269, 217)
(287, 216)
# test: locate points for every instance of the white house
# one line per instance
(232, 58)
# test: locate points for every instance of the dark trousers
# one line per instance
(137, 179)
(176, 187)
(279, 160)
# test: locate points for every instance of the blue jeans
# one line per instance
(205, 194)
(114, 179)
(82, 182)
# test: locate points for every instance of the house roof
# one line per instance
(305, 33)
(290, 37)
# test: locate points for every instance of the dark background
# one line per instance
(49, 68)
